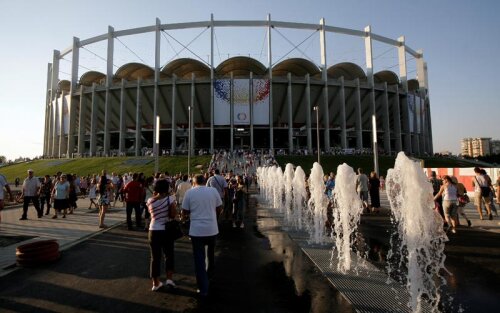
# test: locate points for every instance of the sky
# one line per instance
(459, 39)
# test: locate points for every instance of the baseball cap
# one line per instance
(30, 171)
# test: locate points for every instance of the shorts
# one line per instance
(450, 207)
(60, 204)
(478, 199)
(363, 195)
(103, 200)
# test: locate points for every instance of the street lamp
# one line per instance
(157, 135)
(189, 140)
(375, 145)
(316, 108)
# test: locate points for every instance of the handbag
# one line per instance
(485, 191)
(463, 199)
(173, 229)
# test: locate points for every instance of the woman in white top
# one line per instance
(449, 192)
(60, 195)
(162, 207)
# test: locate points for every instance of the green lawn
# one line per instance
(172, 164)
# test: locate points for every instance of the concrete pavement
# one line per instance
(80, 225)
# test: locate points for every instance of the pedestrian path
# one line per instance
(80, 225)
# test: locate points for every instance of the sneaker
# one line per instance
(157, 287)
(453, 230)
(490, 217)
(469, 223)
(170, 283)
(234, 225)
(23, 218)
(55, 216)
(242, 225)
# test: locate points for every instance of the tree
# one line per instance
(3, 159)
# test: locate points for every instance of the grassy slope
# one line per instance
(172, 164)
(177, 164)
(330, 163)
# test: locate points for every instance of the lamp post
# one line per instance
(157, 135)
(316, 108)
(189, 140)
(375, 145)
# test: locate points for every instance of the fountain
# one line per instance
(317, 205)
(299, 197)
(420, 237)
(417, 244)
(346, 213)
(288, 180)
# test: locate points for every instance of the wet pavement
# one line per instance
(258, 269)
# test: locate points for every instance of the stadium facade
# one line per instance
(239, 103)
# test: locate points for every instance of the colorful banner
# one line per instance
(240, 94)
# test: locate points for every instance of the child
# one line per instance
(93, 194)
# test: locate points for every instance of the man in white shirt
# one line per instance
(362, 187)
(181, 188)
(30, 193)
(202, 204)
(4, 184)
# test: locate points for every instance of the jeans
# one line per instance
(160, 244)
(137, 208)
(36, 204)
(202, 270)
(45, 200)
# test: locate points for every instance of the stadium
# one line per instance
(290, 104)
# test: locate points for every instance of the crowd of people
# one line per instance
(450, 197)
(202, 201)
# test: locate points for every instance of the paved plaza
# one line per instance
(108, 270)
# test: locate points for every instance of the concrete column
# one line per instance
(93, 123)
(50, 127)
(290, 114)
(397, 121)
(324, 68)
(156, 148)
(308, 114)
(55, 138)
(72, 100)
(138, 121)
(343, 126)
(81, 124)
(54, 81)
(404, 83)
(62, 139)
(415, 140)
(212, 78)
(174, 121)
(270, 73)
(359, 120)
(386, 121)
(193, 109)
(231, 111)
(250, 88)
(423, 81)
(46, 133)
(109, 83)
(123, 131)
(369, 76)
